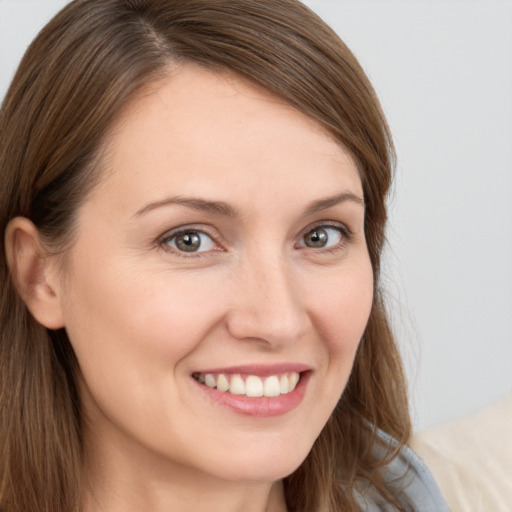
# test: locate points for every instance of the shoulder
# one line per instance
(415, 485)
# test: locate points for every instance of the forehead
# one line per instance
(213, 133)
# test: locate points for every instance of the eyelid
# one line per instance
(171, 233)
(347, 235)
(329, 224)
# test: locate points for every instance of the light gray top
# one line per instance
(407, 472)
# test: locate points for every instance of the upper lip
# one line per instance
(260, 370)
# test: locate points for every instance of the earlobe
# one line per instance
(28, 265)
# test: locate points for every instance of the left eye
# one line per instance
(190, 241)
(322, 237)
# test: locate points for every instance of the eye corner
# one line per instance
(321, 234)
(194, 242)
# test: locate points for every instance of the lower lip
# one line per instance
(260, 407)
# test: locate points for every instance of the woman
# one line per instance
(194, 209)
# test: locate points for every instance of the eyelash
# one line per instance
(164, 240)
(346, 238)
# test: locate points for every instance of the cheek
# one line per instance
(343, 312)
(130, 316)
(340, 309)
(344, 308)
(131, 332)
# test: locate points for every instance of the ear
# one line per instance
(29, 267)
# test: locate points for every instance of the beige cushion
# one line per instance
(471, 459)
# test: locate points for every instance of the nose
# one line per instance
(268, 304)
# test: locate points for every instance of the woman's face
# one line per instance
(224, 247)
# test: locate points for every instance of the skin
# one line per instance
(143, 317)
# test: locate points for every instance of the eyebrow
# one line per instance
(226, 210)
(203, 205)
(329, 202)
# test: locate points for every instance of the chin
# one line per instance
(269, 472)
(265, 466)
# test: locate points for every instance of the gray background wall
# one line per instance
(443, 71)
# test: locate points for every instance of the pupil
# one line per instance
(316, 238)
(188, 242)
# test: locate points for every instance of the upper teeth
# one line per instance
(251, 385)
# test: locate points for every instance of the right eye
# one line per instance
(190, 240)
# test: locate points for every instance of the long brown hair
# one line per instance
(79, 72)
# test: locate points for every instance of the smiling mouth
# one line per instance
(251, 386)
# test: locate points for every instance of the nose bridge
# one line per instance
(268, 306)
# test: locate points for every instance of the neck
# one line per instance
(130, 480)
